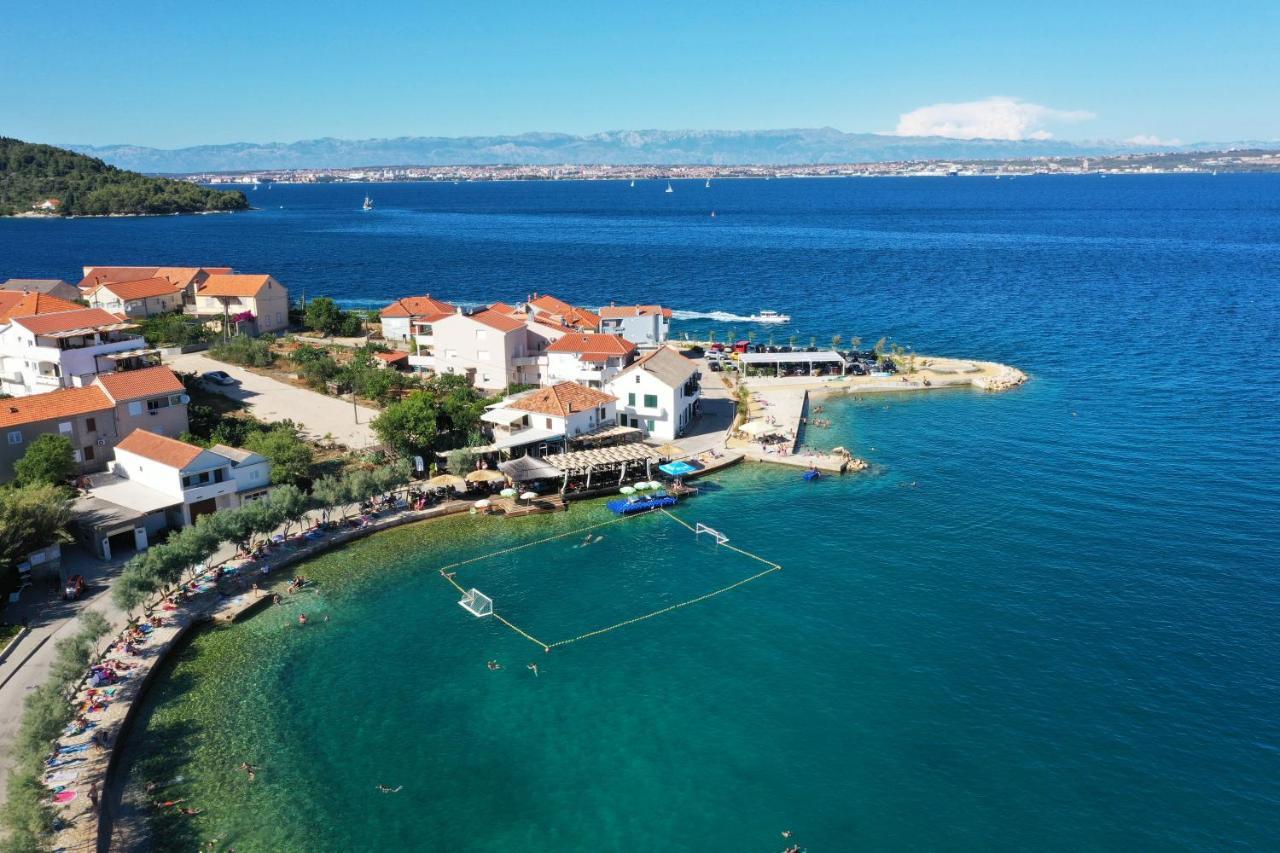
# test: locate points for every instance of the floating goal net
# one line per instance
(476, 603)
(701, 528)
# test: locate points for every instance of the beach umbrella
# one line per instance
(757, 428)
(481, 504)
(508, 493)
(654, 484)
(670, 451)
(642, 485)
(627, 490)
(447, 481)
(528, 496)
(485, 475)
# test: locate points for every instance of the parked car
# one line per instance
(692, 352)
(714, 366)
(219, 377)
(73, 588)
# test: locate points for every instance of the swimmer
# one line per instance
(190, 812)
(168, 803)
(786, 833)
(587, 541)
(389, 790)
(534, 667)
(250, 770)
(494, 665)
(302, 619)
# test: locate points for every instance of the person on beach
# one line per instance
(386, 789)
(93, 796)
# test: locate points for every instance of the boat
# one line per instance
(633, 182)
(669, 187)
(708, 183)
(812, 474)
(368, 203)
(767, 316)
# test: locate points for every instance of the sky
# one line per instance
(177, 74)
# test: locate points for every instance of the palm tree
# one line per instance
(855, 342)
(792, 341)
(711, 336)
(813, 340)
(835, 341)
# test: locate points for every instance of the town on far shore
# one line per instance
(158, 395)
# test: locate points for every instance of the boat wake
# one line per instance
(721, 316)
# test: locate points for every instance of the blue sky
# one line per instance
(177, 74)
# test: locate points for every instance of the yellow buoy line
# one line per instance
(447, 572)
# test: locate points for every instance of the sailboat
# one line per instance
(708, 183)
(669, 187)
(633, 182)
(368, 203)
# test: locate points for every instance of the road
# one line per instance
(319, 415)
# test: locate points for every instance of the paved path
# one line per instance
(272, 400)
(709, 429)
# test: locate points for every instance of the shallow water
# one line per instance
(1044, 620)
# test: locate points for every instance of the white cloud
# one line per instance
(1147, 139)
(990, 118)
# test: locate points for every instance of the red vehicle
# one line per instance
(717, 347)
(73, 588)
(741, 346)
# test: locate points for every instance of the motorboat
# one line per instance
(767, 316)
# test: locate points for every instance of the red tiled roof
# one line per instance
(183, 276)
(495, 320)
(417, 306)
(94, 276)
(67, 321)
(614, 312)
(504, 308)
(15, 303)
(159, 448)
(592, 346)
(63, 403)
(140, 289)
(146, 382)
(234, 285)
(562, 400)
(391, 357)
(568, 314)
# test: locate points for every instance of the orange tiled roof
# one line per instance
(550, 304)
(146, 382)
(568, 314)
(159, 448)
(562, 400)
(593, 346)
(67, 321)
(140, 289)
(495, 320)
(94, 276)
(417, 306)
(504, 308)
(183, 276)
(63, 403)
(15, 303)
(391, 357)
(234, 285)
(614, 312)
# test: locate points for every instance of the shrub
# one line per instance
(242, 349)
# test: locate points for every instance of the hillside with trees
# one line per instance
(85, 186)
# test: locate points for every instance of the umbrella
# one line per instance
(670, 451)
(642, 485)
(447, 481)
(654, 484)
(757, 428)
(508, 493)
(528, 496)
(485, 475)
(627, 490)
(481, 504)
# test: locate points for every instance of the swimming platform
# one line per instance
(449, 573)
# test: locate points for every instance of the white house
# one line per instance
(251, 472)
(659, 393)
(65, 349)
(588, 359)
(546, 417)
(489, 347)
(143, 298)
(558, 311)
(409, 320)
(640, 324)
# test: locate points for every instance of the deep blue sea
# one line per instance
(1045, 620)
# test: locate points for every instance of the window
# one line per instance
(135, 408)
(90, 425)
(631, 399)
(65, 428)
(88, 453)
(637, 378)
(157, 404)
(651, 402)
(649, 425)
(175, 399)
(548, 425)
(15, 437)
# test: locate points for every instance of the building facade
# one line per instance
(644, 325)
(660, 393)
(65, 349)
(144, 298)
(260, 299)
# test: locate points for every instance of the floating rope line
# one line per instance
(447, 574)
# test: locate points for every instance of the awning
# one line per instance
(606, 432)
(528, 468)
(677, 469)
(523, 438)
(619, 454)
(506, 417)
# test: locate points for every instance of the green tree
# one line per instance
(409, 426)
(291, 504)
(330, 494)
(49, 460)
(242, 349)
(791, 341)
(31, 517)
(289, 455)
(855, 342)
(879, 347)
(324, 316)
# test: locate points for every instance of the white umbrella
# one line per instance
(528, 496)
(757, 428)
(627, 490)
(481, 504)
(654, 484)
(508, 493)
(642, 485)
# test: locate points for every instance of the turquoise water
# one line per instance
(1045, 619)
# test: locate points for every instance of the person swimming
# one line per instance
(493, 665)
(534, 667)
(387, 789)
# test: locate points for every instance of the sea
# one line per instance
(1044, 619)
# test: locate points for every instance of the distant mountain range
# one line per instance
(621, 147)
